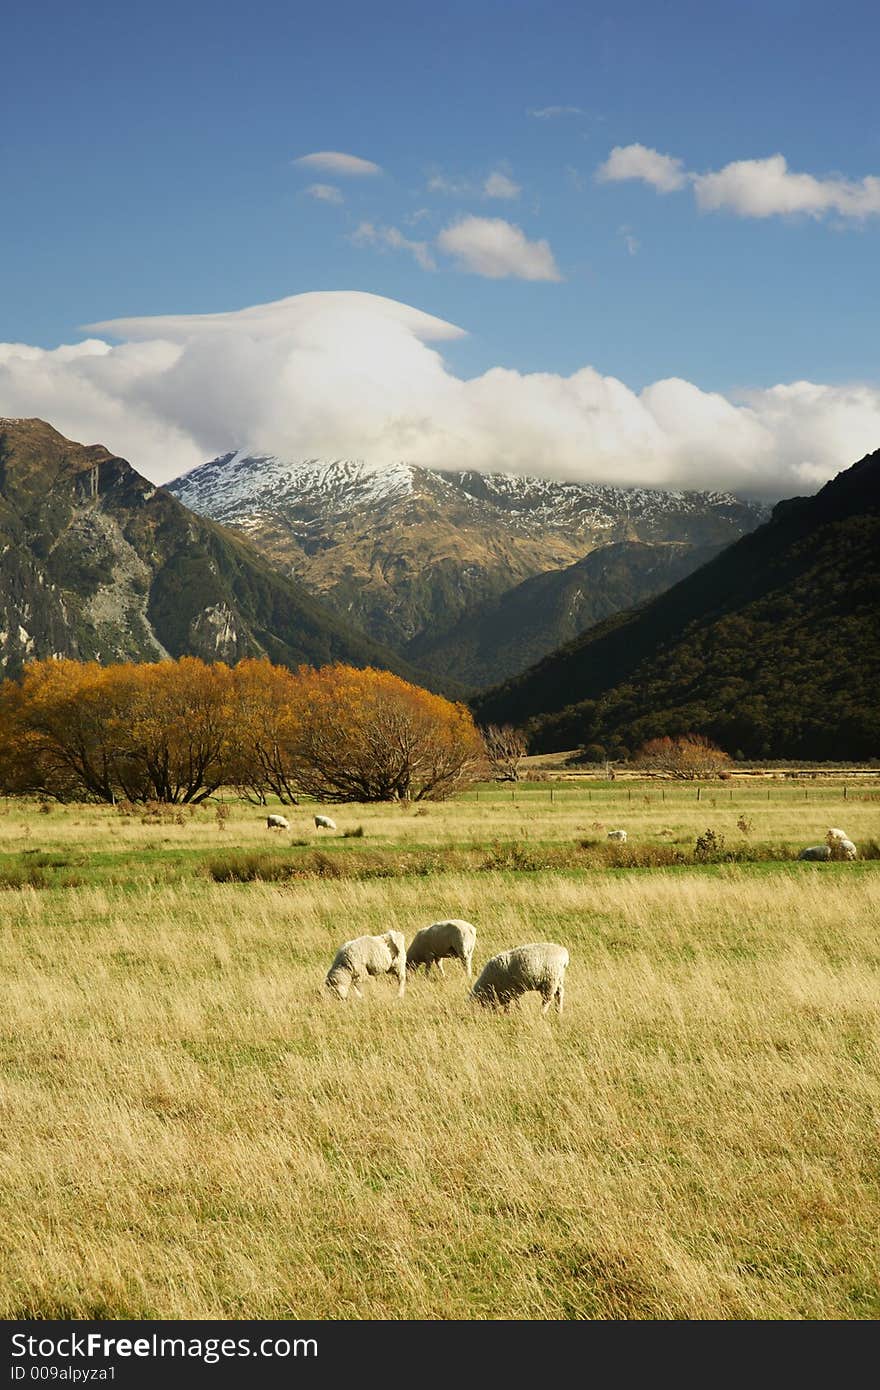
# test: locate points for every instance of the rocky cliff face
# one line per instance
(96, 563)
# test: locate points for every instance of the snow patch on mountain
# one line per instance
(244, 489)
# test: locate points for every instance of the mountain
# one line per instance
(505, 635)
(407, 552)
(773, 648)
(97, 563)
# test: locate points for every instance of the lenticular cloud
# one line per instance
(343, 374)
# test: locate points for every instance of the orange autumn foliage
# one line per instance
(175, 731)
(367, 735)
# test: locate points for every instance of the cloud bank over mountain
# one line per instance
(345, 374)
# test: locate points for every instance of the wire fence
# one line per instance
(650, 794)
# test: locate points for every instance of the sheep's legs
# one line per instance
(560, 997)
(439, 965)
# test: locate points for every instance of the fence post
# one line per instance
(699, 789)
(551, 796)
(844, 791)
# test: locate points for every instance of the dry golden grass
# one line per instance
(191, 1129)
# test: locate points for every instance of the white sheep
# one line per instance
(432, 945)
(619, 835)
(539, 966)
(840, 844)
(324, 823)
(367, 955)
(276, 822)
(820, 853)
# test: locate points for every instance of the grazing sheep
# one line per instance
(540, 966)
(275, 822)
(821, 853)
(841, 845)
(440, 941)
(324, 823)
(617, 835)
(367, 955)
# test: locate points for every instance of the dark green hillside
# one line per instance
(516, 629)
(773, 648)
(98, 564)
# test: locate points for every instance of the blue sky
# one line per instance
(148, 167)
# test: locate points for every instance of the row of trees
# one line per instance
(176, 731)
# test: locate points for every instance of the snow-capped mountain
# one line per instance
(240, 489)
(406, 551)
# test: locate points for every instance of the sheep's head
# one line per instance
(396, 943)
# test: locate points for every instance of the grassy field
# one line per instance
(190, 1128)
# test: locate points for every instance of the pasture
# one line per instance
(190, 1128)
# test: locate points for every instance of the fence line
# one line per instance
(739, 796)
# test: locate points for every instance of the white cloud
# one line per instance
(549, 113)
(768, 188)
(391, 238)
(333, 162)
(497, 249)
(452, 187)
(500, 185)
(353, 375)
(325, 193)
(748, 187)
(639, 162)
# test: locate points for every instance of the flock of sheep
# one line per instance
(837, 845)
(277, 822)
(540, 966)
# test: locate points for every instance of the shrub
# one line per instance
(709, 844)
(684, 758)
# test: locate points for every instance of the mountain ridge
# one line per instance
(773, 647)
(409, 552)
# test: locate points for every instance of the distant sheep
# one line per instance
(441, 941)
(841, 845)
(819, 853)
(367, 955)
(619, 835)
(324, 823)
(275, 822)
(539, 966)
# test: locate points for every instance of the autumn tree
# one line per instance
(265, 697)
(56, 733)
(685, 758)
(505, 749)
(367, 735)
(179, 731)
(75, 730)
